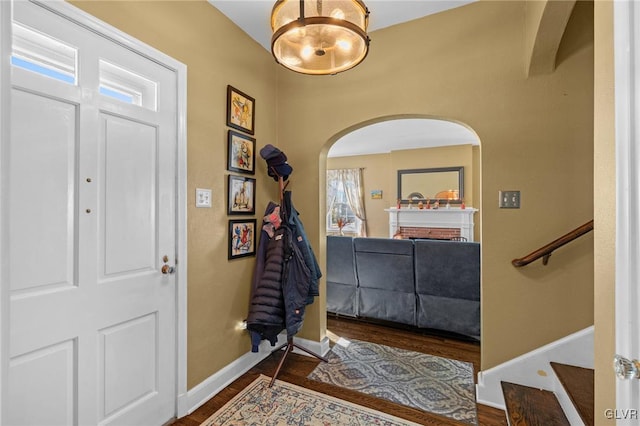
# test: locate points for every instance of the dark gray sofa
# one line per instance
(422, 283)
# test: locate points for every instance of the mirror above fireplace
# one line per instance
(445, 184)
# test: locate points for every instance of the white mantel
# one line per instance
(453, 217)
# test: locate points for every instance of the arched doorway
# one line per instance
(380, 279)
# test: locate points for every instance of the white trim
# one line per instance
(97, 26)
(320, 348)
(575, 349)
(211, 386)
(181, 239)
(5, 121)
(627, 99)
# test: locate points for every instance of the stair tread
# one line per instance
(527, 406)
(579, 384)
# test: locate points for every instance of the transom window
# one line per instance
(41, 54)
(126, 86)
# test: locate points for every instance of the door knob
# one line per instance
(626, 368)
(166, 269)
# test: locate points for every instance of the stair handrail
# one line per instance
(544, 252)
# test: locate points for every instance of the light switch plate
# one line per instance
(509, 199)
(203, 197)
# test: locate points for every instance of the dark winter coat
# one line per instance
(285, 279)
(300, 238)
(267, 310)
(296, 282)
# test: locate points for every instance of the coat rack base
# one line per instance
(289, 347)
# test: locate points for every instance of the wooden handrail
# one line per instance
(545, 252)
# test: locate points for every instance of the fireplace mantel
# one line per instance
(453, 217)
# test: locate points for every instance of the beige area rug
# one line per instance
(287, 404)
(427, 382)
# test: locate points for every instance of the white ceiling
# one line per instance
(394, 135)
(252, 16)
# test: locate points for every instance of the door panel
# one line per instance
(56, 401)
(128, 349)
(42, 239)
(129, 192)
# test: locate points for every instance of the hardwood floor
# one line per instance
(297, 368)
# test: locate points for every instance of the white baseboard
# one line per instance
(533, 368)
(207, 389)
(320, 348)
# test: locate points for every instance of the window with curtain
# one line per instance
(345, 203)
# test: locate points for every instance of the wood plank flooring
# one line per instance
(579, 384)
(297, 367)
(527, 406)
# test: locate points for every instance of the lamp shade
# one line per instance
(319, 36)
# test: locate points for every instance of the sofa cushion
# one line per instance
(385, 264)
(448, 269)
(449, 314)
(340, 260)
(387, 305)
(383, 245)
(341, 299)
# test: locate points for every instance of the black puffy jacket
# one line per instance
(267, 310)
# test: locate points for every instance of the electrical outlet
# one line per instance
(509, 199)
(203, 197)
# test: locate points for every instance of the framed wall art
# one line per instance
(240, 110)
(376, 194)
(241, 195)
(242, 153)
(242, 236)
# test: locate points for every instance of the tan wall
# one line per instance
(216, 53)
(381, 172)
(604, 216)
(536, 135)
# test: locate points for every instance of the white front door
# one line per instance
(627, 104)
(91, 204)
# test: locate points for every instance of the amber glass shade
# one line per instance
(319, 36)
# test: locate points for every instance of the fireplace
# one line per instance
(442, 223)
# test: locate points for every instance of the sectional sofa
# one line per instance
(431, 284)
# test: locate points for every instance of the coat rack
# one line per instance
(290, 345)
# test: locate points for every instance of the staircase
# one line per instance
(529, 406)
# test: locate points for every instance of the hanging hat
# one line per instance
(277, 165)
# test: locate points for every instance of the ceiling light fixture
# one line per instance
(319, 37)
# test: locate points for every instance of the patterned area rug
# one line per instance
(429, 383)
(287, 404)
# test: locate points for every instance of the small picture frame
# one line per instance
(240, 110)
(242, 238)
(242, 153)
(376, 194)
(241, 195)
